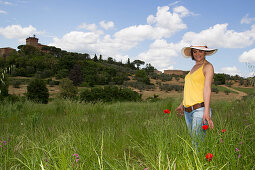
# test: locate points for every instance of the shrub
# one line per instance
(63, 73)
(141, 76)
(216, 90)
(109, 94)
(16, 83)
(219, 79)
(76, 75)
(67, 89)
(37, 91)
(226, 92)
(168, 87)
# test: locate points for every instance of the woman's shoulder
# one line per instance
(208, 67)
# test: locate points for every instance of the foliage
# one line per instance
(67, 89)
(123, 135)
(215, 89)
(76, 75)
(37, 91)
(109, 94)
(139, 85)
(219, 79)
(170, 87)
(16, 83)
(141, 76)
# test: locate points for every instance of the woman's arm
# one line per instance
(208, 72)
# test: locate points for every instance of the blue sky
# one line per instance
(150, 30)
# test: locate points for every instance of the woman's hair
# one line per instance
(192, 57)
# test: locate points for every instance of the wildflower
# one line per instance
(221, 140)
(223, 130)
(209, 156)
(239, 156)
(4, 142)
(145, 169)
(77, 160)
(205, 127)
(0, 146)
(77, 156)
(241, 143)
(237, 149)
(166, 111)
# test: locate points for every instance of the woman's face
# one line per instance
(198, 55)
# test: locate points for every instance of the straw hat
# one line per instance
(186, 51)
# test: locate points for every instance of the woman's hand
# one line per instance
(179, 110)
(207, 117)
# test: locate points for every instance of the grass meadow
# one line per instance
(128, 135)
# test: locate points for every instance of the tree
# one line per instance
(110, 60)
(140, 75)
(138, 63)
(100, 58)
(37, 91)
(219, 79)
(149, 69)
(76, 75)
(67, 89)
(95, 58)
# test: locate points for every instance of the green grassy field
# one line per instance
(72, 135)
(245, 90)
(223, 89)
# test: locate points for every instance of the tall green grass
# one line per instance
(126, 135)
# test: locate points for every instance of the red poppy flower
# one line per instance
(223, 130)
(166, 111)
(209, 156)
(205, 127)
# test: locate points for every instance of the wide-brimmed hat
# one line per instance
(186, 51)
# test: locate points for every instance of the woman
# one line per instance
(197, 90)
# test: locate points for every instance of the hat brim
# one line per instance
(186, 51)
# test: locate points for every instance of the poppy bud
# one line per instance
(209, 156)
(205, 127)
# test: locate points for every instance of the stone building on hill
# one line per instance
(4, 52)
(176, 72)
(33, 41)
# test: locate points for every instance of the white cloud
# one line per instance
(5, 2)
(230, 70)
(160, 55)
(248, 56)
(18, 32)
(220, 36)
(90, 27)
(106, 25)
(3, 12)
(77, 41)
(163, 25)
(247, 20)
(182, 11)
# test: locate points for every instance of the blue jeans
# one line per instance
(194, 121)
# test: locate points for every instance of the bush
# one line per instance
(216, 90)
(109, 94)
(16, 83)
(63, 73)
(219, 79)
(141, 76)
(226, 92)
(76, 75)
(168, 87)
(139, 85)
(37, 91)
(67, 89)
